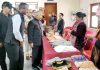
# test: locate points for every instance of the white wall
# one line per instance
(67, 7)
(64, 6)
(94, 1)
(85, 5)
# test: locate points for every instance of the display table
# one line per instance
(49, 53)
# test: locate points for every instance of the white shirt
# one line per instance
(16, 19)
(41, 26)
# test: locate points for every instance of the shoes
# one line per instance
(35, 68)
(30, 56)
(40, 65)
(27, 58)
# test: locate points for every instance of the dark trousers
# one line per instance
(80, 43)
(16, 56)
(61, 32)
(36, 55)
(2, 58)
(44, 33)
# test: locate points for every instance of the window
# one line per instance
(32, 5)
(94, 19)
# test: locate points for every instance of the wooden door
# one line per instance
(50, 8)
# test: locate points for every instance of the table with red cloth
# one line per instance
(49, 53)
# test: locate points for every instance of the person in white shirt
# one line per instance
(27, 48)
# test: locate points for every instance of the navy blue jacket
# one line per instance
(34, 32)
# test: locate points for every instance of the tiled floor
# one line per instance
(27, 64)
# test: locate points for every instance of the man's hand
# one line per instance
(69, 31)
(31, 45)
(1, 45)
(21, 44)
(25, 32)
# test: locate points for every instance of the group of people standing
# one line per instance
(22, 28)
(57, 25)
(77, 36)
(12, 31)
(17, 31)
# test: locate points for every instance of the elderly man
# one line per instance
(35, 39)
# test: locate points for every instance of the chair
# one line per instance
(88, 47)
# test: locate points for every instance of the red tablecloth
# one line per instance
(49, 53)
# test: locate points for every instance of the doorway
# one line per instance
(50, 8)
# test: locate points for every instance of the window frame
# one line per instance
(29, 3)
(92, 13)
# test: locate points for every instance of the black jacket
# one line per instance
(60, 27)
(80, 34)
(34, 32)
(10, 38)
(4, 21)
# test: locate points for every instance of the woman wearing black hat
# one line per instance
(95, 57)
(78, 31)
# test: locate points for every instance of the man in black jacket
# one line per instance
(60, 26)
(4, 21)
(35, 39)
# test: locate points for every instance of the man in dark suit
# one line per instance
(4, 21)
(60, 26)
(35, 39)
